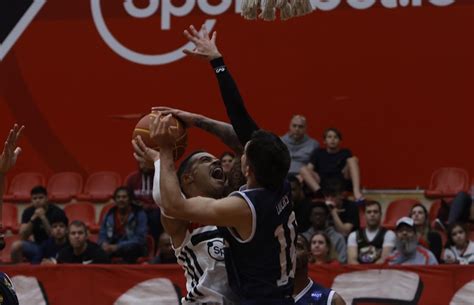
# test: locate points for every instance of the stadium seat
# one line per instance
(62, 187)
(435, 206)
(446, 182)
(150, 248)
(5, 253)
(10, 217)
(104, 211)
(100, 186)
(362, 222)
(83, 211)
(21, 185)
(397, 209)
(94, 237)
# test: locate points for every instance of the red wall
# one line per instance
(397, 82)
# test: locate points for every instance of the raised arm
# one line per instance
(206, 48)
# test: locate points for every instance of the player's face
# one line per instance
(208, 174)
(418, 216)
(458, 236)
(319, 247)
(297, 128)
(227, 163)
(332, 141)
(77, 236)
(58, 230)
(372, 215)
(39, 200)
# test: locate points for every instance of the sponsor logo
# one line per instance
(215, 248)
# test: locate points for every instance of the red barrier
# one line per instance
(395, 76)
(151, 284)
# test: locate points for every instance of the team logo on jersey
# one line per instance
(16, 16)
(215, 248)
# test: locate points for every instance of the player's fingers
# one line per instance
(17, 151)
(160, 108)
(190, 37)
(19, 132)
(194, 31)
(214, 37)
(204, 31)
(136, 147)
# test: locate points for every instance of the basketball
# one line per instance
(142, 129)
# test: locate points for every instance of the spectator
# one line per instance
(459, 249)
(227, 161)
(140, 183)
(81, 250)
(407, 251)
(165, 253)
(301, 205)
(426, 237)
(456, 210)
(124, 228)
(322, 250)
(36, 222)
(319, 222)
(300, 145)
(344, 213)
(332, 162)
(373, 244)
(58, 240)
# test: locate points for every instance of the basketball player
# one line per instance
(7, 161)
(257, 222)
(199, 248)
(306, 291)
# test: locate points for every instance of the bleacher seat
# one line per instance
(62, 187)
(104, 211)
(5, 253)
(100, 186)
(446, 182)
(10, 217)
(21, 185)
(397, 209)
(94, 237)
(83, 211)
(362, 222)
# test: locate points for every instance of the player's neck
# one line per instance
(301, 281)
(333, 150)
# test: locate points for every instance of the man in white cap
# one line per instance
(407, 251)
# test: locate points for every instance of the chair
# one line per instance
(446, 182)
(83, 211)
(100, 186)
(362, 221)
(94, 237)
(150, 247)
(62, 187)
(104, 211)
(397, 209)
(10, 217)
(21, 185)
(5, 253)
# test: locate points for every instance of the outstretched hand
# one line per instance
(205, 46)
(163, 132)
(10, 150)
(188, 118)
(144, 154)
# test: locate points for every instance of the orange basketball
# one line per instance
(143, 129)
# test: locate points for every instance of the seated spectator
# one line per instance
(140, 183)
(227, 161)
(302, 205)
(319, 222)
(124, 228)
(332, 162)
(165, 254)
(407, 251)
(459, 249)
(36, 222)
(455, 210)
(58, 240)
(322, 250)
(373, 244)
(305, 290)
(426, 237)
(300, 145)
(344, 213)
(80, 250)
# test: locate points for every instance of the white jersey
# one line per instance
(202, 257)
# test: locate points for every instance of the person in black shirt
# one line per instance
(302, 205)
(81, 250)
(36, 221)
(58, 240)
(332, 162)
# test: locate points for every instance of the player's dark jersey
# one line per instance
(262, 267)
(314, 294)
(7, 291)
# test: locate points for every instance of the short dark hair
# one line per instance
(39, 190)
(335, 130)
(269, 159)
(124, 189)
(368, 203)
(79, 223)
(320, 205)
(332, 187)
(59, 217)
(184, 165)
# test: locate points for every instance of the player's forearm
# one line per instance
(171, 199)
(242, 122)
(343, 228)
(224, 131)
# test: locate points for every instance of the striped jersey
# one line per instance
(202, 257)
